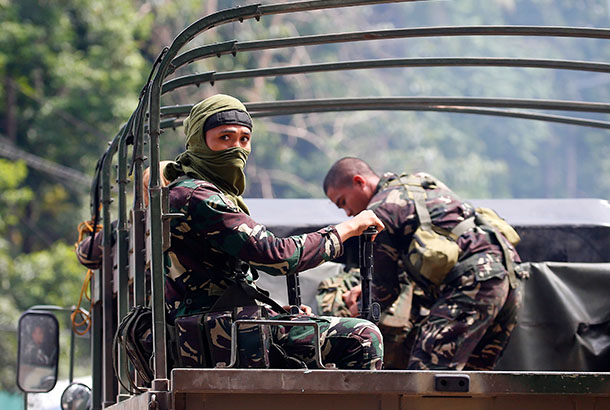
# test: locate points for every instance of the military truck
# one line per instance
(559, 356)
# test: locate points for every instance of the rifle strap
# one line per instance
(417, 192)
(240, 293)
(508, 262)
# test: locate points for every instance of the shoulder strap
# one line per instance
(178, 180)
(240, 294)
(508, 261)
(416, 191)
(464, 226)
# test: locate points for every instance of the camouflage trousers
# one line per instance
(204, 340)
(349, 343)
(467, 326)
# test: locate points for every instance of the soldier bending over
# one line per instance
(466, 282)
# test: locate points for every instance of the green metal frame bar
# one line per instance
(122, 244)
(108, 325)
(234, 46)
(158, 305)
(104, 325)
(104, 380)
(269, 109)
(480, 111)
(96, 309)
(137, 264)
(212, 76)
(396, 103)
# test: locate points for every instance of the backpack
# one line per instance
(433, 251)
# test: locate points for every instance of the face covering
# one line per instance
(225, 169)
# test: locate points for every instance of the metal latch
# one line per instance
(452, 382)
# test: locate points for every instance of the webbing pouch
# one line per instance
(217, 328)
(431, 255)
(191, 344)
(253, 341)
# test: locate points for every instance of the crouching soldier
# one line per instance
(443, 269)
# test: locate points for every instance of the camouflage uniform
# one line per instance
(208, 248)
(465, 322)
(329, 296)
(92, 258)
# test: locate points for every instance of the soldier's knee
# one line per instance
(372, 343)
(360, 343)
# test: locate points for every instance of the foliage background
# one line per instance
(71, 72)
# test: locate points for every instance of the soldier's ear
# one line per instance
(359, 181)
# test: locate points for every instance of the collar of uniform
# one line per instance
(384, 181)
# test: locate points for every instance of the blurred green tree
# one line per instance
(70, 75)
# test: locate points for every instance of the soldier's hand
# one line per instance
(304, 309)
(358, 224)
(307, 310)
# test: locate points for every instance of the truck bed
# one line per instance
(388, 390)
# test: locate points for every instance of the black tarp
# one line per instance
(564, 324)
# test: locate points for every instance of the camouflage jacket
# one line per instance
(393, 206)
(215, 238)
(89, 251)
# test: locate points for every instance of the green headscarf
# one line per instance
(225, 169)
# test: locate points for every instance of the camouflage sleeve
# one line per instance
(231, 231)
(398, 215)
(84, 247)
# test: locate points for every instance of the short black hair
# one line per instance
(341, 172)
